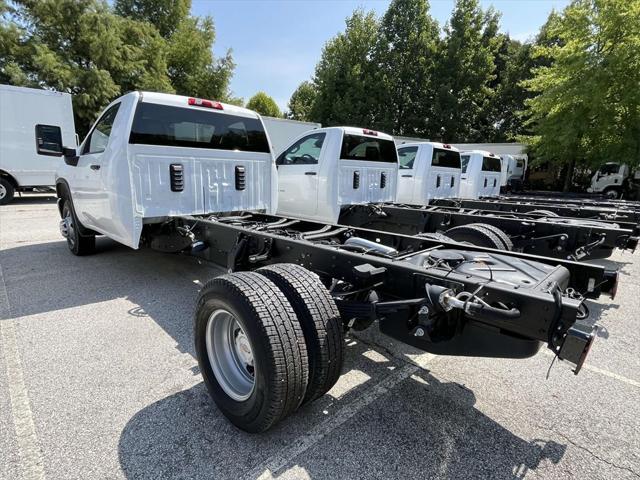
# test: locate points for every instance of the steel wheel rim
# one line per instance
(230, 355)
(71, 231)
(3, 191)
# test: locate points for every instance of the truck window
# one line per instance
(357, 147)
(445, 158)
(609, 169)
(155, 124)
(305, 151)
(48, 140)
(99, 136)
(464, 162)
(520, 163)
(406, 157)
(491, 164)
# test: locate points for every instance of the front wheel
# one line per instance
(251, 350)
(612, 193)
(70, 228)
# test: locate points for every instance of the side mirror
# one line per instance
(48, 140)
(70, 156)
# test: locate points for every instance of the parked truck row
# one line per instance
(199, 177)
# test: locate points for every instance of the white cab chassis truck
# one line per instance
(33, 124)
(181, 174)
(427, 170)
(480, 174)
(616, 180)
(323, 170)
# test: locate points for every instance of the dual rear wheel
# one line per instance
(267, 342)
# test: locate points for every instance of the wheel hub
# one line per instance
(3, 191)
(230, 355)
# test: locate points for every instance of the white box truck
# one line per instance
(33, 123)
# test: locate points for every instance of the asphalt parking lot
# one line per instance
(98, 380)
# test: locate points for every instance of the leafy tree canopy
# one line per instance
(82, 47)
(585, 105)
(264, 105)
(301, 102)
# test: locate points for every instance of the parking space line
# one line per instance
(27, 439)
(601, 371)
(277, 462)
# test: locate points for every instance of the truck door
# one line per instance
(406, 173)
(90, 197)
(466, 185)
(298, 168)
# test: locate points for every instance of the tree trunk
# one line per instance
(569, 175)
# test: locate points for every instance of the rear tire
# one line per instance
(266, 351)
(7, 191)
(320, 320)
(475, 235)
(611, 193)
(78, 244)
(504, 238)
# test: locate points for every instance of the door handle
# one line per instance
(95, 167)
(407, 176)
(310, 173)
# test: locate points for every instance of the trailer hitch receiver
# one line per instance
(577, 344)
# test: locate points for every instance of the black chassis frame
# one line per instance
(400, 294)
(573, 242)
(626, 217)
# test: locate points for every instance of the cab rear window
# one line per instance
(358, 147)
(445, 158)
(155, 124)
(491, 164)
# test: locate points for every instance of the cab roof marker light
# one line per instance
(369, 132)
(200, 102)
(446, 145)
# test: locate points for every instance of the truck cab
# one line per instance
(609, 179)
(481, 172)
(153, 155)
(328, 168)
(427, 170)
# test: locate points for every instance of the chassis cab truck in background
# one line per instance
(33, 125)
(427, 170)
(180, 174)
(616, 180)
(325, 169)
(481, 173)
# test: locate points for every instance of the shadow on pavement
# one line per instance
(33, 199)
(420, 427)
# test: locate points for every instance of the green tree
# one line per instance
(406, 59)
(345, 73)
(264, 105)
(502, 119)
(80, 47)
(301, 102)
(191, 65)
(465, 70)
(165, 15)
(586, 104)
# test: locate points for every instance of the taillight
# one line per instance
(446, 145)
(370, 132)
(201, 102)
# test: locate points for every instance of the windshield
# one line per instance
(491, 164)
(609, 169)
(156, 124)
(358, 147)
(445, 158)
